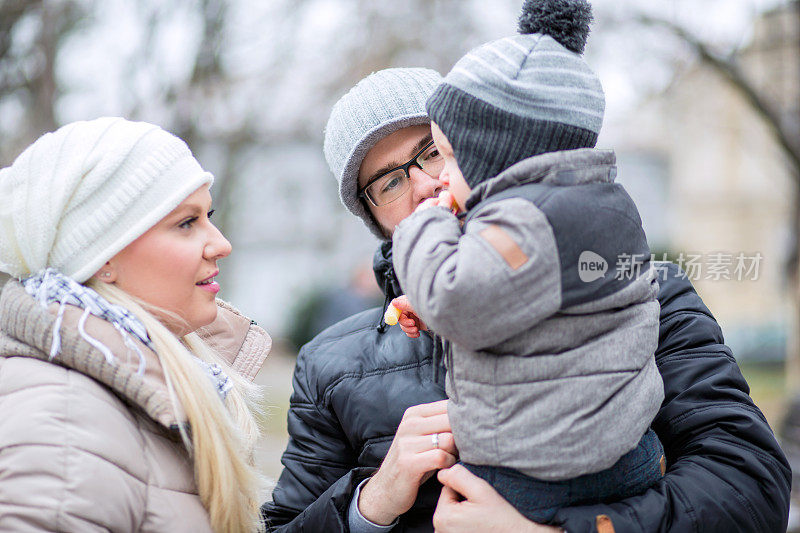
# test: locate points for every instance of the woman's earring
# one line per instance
(106, 274)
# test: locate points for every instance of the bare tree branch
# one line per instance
(729, 69)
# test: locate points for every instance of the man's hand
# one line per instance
(468, 504)
(409, 321)
(411, 460)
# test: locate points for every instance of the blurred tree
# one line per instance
(778, 106)
(780, 113)
(181, 102)
(248, 85)
(31, 34)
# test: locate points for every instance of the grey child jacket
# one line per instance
(549, 300)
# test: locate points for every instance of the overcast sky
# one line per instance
(631, 62)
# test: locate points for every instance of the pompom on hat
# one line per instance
(524, 95)
(566, 21)
(79, 195)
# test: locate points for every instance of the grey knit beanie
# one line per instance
(523, 95)
(380, 104)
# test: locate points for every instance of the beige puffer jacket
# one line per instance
(90, 446)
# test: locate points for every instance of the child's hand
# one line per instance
(445, 199)
(409, 322)
(448, 201)
(427, 203)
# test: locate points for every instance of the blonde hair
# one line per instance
(222, 436)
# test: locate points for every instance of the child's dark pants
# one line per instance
(539, 500)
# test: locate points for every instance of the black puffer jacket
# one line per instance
(353, 382)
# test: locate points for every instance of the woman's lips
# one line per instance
(209, 284)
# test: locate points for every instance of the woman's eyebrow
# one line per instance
(184, 210)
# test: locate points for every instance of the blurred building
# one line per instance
(716, 187)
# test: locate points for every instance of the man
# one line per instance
(366, 430)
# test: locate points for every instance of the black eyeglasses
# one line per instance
(394, 183)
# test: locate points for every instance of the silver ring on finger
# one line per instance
(435, 440)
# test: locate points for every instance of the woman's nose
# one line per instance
(218, 246)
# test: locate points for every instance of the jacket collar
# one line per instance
(238, 340)
(569, 167)
(384, 271)
(26, 330)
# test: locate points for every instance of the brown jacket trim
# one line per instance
(508, 249)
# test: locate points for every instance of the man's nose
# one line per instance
(422, 184)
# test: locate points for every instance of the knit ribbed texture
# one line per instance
(27, 330)
(380, 104)
(515, 98)
(79, 195)
(487, 140)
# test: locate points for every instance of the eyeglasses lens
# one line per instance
(393, 185)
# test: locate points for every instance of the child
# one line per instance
(544, 287)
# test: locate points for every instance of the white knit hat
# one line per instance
(380, 104)
(79, 195)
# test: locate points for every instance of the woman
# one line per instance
(114, 414)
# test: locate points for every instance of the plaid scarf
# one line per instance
(50, 286)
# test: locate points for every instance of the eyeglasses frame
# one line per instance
(405, 167)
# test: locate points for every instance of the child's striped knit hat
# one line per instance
(524, 95)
